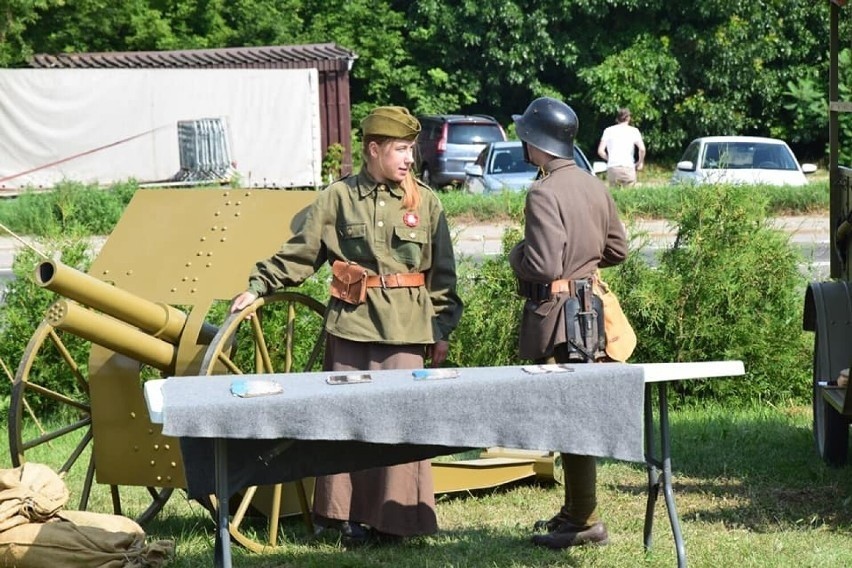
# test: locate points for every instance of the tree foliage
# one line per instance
(685, 69)
(646, 78)
(807, 105)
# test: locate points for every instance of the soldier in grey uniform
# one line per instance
(393, 228)
(572, 229)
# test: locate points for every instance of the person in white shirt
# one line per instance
(617, 148)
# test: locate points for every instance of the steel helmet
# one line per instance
(549, 125)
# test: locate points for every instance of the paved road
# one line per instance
(811, 233)
(477, 240)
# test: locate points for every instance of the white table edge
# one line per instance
(662, 372)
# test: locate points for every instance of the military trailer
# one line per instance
(828, 305)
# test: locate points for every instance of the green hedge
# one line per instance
(729, 288)
(87, 208)
(70, 207)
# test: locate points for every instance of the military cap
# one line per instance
(393, 121)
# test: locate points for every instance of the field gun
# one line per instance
(154, 304)
(146, 331)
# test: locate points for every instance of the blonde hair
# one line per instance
(410, 188)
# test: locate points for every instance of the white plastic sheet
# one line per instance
(107, 125)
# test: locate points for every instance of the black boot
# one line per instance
(354, 534)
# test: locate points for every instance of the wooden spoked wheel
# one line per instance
(53, 426)
(280, 333)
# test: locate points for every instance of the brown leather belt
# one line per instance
(399, 280)
(562, 285)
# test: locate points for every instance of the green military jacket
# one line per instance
(359, 220)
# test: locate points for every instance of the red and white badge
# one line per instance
(410, 219)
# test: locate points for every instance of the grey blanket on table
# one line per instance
(314, 428)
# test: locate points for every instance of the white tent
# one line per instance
(107, 125)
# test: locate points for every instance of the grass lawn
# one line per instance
(749, 487)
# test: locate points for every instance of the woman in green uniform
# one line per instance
(387, 222)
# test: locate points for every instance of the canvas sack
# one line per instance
(81, 539)
(30, 493)
(36, 533)
(620, 337)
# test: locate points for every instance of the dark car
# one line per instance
(448, 142)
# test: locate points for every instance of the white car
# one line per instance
(741, 159)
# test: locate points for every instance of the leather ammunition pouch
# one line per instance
(535, 291)
(349, 282)
(595, 323)
(584, 323)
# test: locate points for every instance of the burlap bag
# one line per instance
(79, 539)
(36, 533)
(30, 493)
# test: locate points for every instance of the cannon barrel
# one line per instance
(112, 334)
(158, 319)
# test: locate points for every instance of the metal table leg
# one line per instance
(660, 471)
(223, 537)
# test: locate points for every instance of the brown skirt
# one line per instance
(398, 500)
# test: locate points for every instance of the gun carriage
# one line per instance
(149, 308)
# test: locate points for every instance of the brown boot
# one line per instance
(568, 535)
(553, 522)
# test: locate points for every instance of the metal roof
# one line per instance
(320, 56)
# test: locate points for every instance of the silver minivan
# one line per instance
(449, 142)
